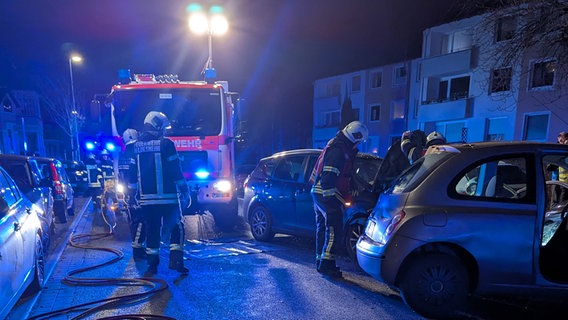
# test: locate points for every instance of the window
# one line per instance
(503, 179)
(496, 129)
(397, 109)
(535, 127)
(377, 79)
(356, 83)
(543, 74)
(505, 28)
(399, 75)
(332, 119)
(453, 89)
(501, 79)
(289, 168)
(375, 113)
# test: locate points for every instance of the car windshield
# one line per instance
(191, 112)
(366, 168)
(418, 171)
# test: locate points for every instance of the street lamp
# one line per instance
(212, 23)
(74, 58)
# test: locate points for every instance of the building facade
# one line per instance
(469, 84)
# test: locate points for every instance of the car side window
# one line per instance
(289, 168)
(498, 178)
(264, 170)
(7, 191)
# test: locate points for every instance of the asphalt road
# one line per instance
(231, 277)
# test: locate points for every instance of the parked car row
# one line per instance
(35, 194)
(277, 198)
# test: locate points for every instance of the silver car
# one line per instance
(21, 248)
(477, 218)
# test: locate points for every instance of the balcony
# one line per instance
(447, 64)
(445, 110)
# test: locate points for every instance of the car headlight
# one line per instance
(222, 186)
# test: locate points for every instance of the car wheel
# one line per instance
(39, 269)
(352, 233)
(435, 285)
(260, 224)
(59, 209)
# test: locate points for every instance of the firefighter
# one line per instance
(137, 225)
(106, 165)
(94, 180)
(414, 144)
(332, 189)
(156, 171)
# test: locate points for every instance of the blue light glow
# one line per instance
(89, 145)
(202, 174)
(110, 146)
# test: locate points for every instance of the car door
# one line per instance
(304, 202)
(17, 260)
(280, 192)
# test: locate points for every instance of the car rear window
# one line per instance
(418, 171)
(263, 170)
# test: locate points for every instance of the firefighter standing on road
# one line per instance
(94, 177)
(156, 171)
(331, 189)
(137, 225)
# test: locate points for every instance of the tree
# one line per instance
(55, 96)
(347, 112)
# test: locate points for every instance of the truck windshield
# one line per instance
(191, 111)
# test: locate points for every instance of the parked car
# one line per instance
(22, 260)
(55, 176)
(471, 219)
(277, 196)
(25, 171)
(77, 173)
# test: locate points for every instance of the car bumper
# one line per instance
(370, 256)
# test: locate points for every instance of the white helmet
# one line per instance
(104, 152)
(435, 138)
(129, 135)
(157, 120)
(356, 132)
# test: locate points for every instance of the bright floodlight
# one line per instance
(198, 23)
(76, 58)
(219, 25)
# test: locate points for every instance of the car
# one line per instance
(468, 220)
(77, 173)
(21, 248)
(277, 196)
(63, 195)
(241, 173)
(27, 175)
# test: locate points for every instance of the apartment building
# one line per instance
(469, 84)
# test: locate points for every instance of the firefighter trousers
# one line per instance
(168, 218)
(329, 227)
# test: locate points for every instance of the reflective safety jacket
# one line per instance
(333, 170)
(94, 173)
(155, 170)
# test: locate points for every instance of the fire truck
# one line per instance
(202, 116)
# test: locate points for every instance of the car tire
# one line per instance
(352, 233)
(261, 224)
(435, 285)
(39, 268)
(59, 209)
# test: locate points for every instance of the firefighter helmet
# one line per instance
(104, 152)
(129, 135)
(356, 132)
(157, 120)
(435, 138)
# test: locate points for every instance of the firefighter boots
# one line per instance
(176, 262)
(139, 253)
(153, 261)
(328, 268)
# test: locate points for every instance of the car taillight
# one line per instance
(395, 221)
(58, 187)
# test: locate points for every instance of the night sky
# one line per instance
(274, 51)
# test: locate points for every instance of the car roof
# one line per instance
(502, 146)
(316, 151)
